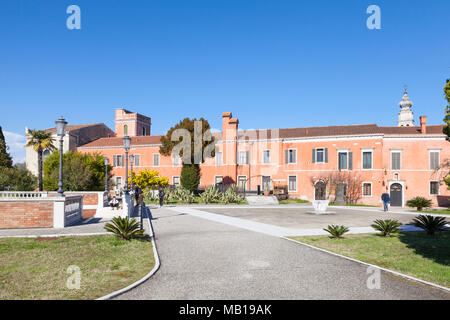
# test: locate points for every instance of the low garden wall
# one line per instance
(20, 210)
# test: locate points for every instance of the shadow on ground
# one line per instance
(436, 247)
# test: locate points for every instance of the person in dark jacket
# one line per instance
(161, 197)
(137, 192)
(386, 199)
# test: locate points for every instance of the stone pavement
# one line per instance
(204, 259)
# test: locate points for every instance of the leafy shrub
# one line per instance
(190, 177)
(125, 228)
(150, 196)
(17, 178)
(231, 195)
(419, 203)
(336, 231)
(429, 223)
(211, 194)
(387, 226)
(179, 194)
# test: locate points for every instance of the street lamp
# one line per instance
(131, 168)
(126, 146)
(106, 174)
(61, 131)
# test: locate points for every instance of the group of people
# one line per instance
(138, 196)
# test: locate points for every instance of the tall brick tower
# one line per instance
(132, 124)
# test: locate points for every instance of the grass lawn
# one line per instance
(36, 268)
(290, 201)
(412, 253)
(439, 211)
(354, 205)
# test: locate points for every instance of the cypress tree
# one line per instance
(5, 158)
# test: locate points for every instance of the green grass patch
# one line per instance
(291, 201)
(354, 205)
(36, 268)
(412, 253)
(437, 211)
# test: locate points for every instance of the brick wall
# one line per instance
(26, 214)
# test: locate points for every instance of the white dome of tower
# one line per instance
(405, 116)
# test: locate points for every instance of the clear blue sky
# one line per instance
(273, 63)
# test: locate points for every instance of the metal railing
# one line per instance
(22, 195)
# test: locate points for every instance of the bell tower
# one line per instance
(405, 116)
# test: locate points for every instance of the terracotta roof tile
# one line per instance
(73, 127)
(118, 141)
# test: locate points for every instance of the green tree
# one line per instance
(81, 172)
(200, 147)
(17, 178)
(40, 140)
(5, 158)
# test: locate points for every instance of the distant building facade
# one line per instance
(403, 160)
(76, 135)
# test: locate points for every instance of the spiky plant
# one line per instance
(125, 228)
(336, 231)
(419, 203)
(386, 227)
(231, 195)
(211, 194)
(429, 223)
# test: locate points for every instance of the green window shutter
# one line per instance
(326, 155)
(313, 155)
(350, 161)
(286, 156)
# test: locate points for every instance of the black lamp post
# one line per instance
(61, 131)
(126, 146)
(131, 169)
(106, 174)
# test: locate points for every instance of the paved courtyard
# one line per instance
(204, 259)
(298, 218)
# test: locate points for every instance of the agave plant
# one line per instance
(429, 223)
(387, 226)
(231, 195)
(419, 203)
(125, 228)
(211, 194)
(336, 231)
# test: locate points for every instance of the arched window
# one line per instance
(125, 130)
(144, 131)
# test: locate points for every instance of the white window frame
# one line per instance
(246, 157)
(237, 182)
(215, 179)
(429, 158)
(401, 156)
(138, 156)
(289, 156)
(439, 188)
(262, 182)
(362, 189)
(263, 156)
(217, 158)
(362, 158)
(173, 180)
(347, 151)
(176, 160)
(121, 182)
(159, 160)
(289, 183)
(116, 157)
(323, 157)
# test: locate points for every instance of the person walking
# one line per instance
(161, 197)
(386, 199)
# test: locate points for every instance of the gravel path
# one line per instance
(203, 259)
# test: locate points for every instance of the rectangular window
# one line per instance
(292, 183)
(218, 181)
(434, 187)
(242, 181)
(266, 182)
(290, 156)
(367, 189)
(367, 159)
(266, 156)
(219, 159)
(118, 160)
(396, 160)
(320, 155)
(118, 183)
(137, 160)
(434, 160)
(176, 181)
(243, 157)
(176, 159)
(343, 160)
(156, 159)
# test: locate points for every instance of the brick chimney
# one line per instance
(423, 124)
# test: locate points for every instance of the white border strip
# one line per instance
(56, 235)
(146, 277)
(372, 265)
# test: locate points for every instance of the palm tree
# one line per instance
(40, 140)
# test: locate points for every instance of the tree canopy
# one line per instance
(5, 158)
(149, 179)
(17, 178)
